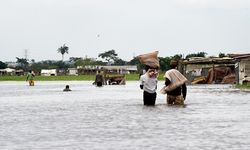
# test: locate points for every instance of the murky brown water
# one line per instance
(113, 117)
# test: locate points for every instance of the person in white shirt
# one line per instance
(148, 83)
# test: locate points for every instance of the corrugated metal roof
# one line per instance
(199, 60)
(241, 56)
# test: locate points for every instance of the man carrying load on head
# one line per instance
(148, 81)
(175, 86)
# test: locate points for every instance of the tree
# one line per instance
(48, 64)
(165, 63)
(85, 62)
(63, 49)
(61, 65)
(108, 56)
(3, 65)
(23, 63)
(33, 61)
(199, 54)
(177, 57)
(221, 55)
(135, 61)
(119, 61)
(74, 59)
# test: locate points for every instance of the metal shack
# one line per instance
(207, 70)
(242, 67)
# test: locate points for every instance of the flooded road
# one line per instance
(114, 118)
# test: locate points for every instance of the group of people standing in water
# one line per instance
(175, 86)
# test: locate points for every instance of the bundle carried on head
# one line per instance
(176, 79)
(150, 59)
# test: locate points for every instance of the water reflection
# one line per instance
(113, 117)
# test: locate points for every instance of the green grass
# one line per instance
(129, 77)
(49, 78)
(243, 86)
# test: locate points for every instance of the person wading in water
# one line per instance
(99, 79)
(148, 83)
(175, 86)
(30, 78)
(66, 88)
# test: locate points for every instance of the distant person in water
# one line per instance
(66, 88)
(30, 78)
(99, 79)
(148, 83)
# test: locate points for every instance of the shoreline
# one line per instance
(129, 77)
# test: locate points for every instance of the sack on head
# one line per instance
(150, 59)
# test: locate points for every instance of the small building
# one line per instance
(242, 67)
(92, 69)
(19, 72)
(7, 71)
(120, 69)
(72, 71)
(207, 70)
(48, 72)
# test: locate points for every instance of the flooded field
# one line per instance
(113, 117)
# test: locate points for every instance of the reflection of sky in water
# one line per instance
(113, 117)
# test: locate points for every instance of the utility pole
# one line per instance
(26, 54)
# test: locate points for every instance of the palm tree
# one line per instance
(63, 49)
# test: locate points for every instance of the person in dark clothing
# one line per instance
(176, 87)
(99, 79)
(66, 88)
(176, 96)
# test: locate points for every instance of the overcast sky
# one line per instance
(130, 27)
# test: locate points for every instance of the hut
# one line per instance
(120, 69)
(72, 71)
(7, 71)
(208, 70)
(242, 67)
(19, 72)
(48, 72)
(92, 69)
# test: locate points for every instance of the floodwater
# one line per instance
(114, 118)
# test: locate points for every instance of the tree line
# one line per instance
(109, 57)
